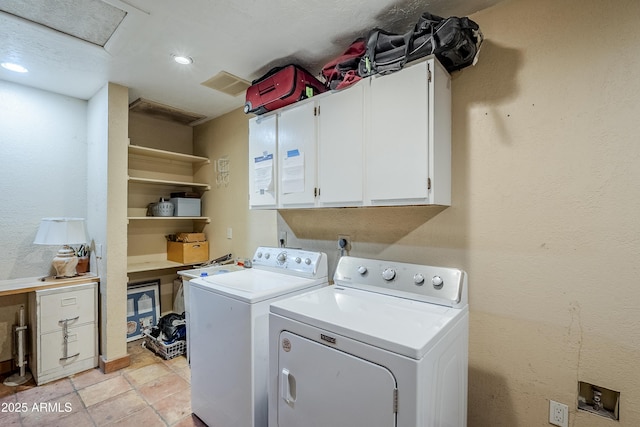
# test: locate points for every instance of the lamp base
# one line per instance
(65, 262)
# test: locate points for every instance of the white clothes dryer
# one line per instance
(386, 346)
(228, 333)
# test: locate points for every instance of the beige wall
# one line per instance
(546, 154)
(228, 203)
(545, 209)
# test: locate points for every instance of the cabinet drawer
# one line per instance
(71, 303)
(81, 341)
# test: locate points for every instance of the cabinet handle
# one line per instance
(65, 334)
(65, 321)
(62, 359)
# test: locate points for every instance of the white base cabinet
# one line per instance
(385, 141)
(64, 331)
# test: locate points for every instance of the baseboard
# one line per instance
(6, 367)
(108, 366)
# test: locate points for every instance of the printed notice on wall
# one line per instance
(263, 173)
(293, 172)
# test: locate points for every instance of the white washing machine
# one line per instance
(386, 346)
(187, 276)
(229, 316)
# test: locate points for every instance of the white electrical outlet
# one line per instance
(558, 414)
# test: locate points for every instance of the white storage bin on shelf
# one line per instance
(186, 206)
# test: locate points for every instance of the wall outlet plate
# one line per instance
(558, 414)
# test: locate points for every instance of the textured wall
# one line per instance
(43, 174)
(545, 211)
(228, 204)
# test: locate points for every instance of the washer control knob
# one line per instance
(388, 274)
(362, 270)
(418, 279)
(282, 257)
(267, 255)
(437, 282)
(259, 254)
(307, 261)
(298, 260)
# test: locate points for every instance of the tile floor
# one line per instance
(150, 392)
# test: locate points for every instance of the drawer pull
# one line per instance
(65, 334)
(62, 359)
(68, 301)
(65, 321)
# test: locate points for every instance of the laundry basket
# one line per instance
(168, 351)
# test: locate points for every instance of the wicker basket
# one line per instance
(168, 351)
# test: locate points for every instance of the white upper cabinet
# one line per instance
(262, 162)
(297, 157)
(340, 148)
(408, 152)
(385, 141)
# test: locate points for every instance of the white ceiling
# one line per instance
(243, 37)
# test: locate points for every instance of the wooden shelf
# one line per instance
(199, 185)
(170, 218)
(167, 155)
(137, 267)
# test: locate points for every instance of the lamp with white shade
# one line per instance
(63, 232)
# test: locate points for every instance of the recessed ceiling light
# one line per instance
(184, 60)
(14, 67)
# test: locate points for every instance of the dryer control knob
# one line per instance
(437, 282)
(307, 261)
(388, 274)
(259, 254)
(282, 256)
(267, 255)
(362, 270)
(298, 260)
(418, 279)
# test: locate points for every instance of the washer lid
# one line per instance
(254, 285)
(400, 325)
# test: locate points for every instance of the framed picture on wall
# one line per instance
(143, 307)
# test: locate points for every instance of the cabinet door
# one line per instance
(262, 162)
(297, 156)
(397, 162)
(340, 148)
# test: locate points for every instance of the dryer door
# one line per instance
(320, 386)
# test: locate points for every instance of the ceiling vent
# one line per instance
(227, 83)
(164, 112)
(93, 21)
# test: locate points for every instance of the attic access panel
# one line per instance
(93, 21)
